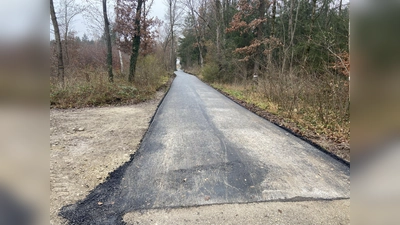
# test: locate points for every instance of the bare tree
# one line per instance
(310, 35)
(291, 33)
(190, 4)
(68, 10)
(94, 16)
(108, 41)
(60, 70)
(136, 42)
(272, 34)
(260, 35)
(174, 13)
(218, 31)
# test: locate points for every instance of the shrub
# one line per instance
(210, 72)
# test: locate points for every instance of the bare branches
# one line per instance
(67, 11)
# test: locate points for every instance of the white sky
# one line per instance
(19, 19)
(79, 23)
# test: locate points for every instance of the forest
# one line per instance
(289, 58)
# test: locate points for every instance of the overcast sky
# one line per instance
(19, 19)
(79, 23)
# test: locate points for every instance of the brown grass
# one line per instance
(90, 86)
(316, 107)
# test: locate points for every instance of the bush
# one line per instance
(81, 94)
(150, 73)
(210, 72)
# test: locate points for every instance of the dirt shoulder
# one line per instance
(87, 144)
(306, 212)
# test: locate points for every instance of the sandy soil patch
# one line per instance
(263, 213)
(87, 144)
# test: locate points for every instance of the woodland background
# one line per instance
(289, 58)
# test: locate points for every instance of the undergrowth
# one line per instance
(90, 86)
(324, 113)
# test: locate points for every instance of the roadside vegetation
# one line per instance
(285, 59)
(125, 57)
(90, 86)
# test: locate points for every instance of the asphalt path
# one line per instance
(202, 148)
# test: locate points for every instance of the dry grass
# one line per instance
(90, 86)
(312, 106)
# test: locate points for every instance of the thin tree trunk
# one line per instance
(348, 105)
(272, 31)
(172, 9)
(260, 37)
(108, 40)
(66, 33)
(196, 27)
(284, 48)
(308, 48)
(135, 43)
(173, 60)
(66, 45)
(144, 27)
(313, 18)
(218, 31)
(273, 18)
(121, 61)
(60, 66)
(292, 36)
(290, 27)
(290, 32)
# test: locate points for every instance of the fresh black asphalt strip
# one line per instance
(201, 149)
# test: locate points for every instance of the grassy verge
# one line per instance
(90, 87)
(332, 135)
(314, 108)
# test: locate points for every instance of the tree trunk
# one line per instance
(260, 37)
(121, 61)
(66, 61)
(108, 40)
(272, 35)
(145, 40)
(290, 32)
(290, 27)
(292, 35)
(314, 7)
(60, 67)
(172, 5)
(308, 48)
(218, 21)
(350, 62)
(196, 29)
(135, 43)
(273, 18)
